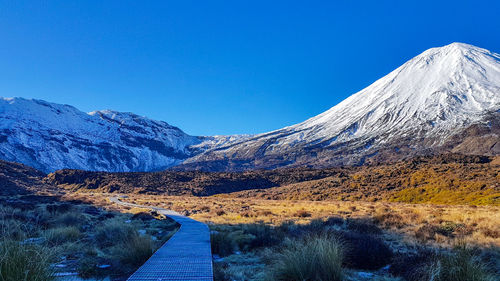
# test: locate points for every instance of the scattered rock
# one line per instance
(217, 258)
(63, 274)
(35, 240)
(365, 274)
(385, 268)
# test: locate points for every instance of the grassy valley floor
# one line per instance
(430, 218)
(378, 240)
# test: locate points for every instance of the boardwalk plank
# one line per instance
(186, 256)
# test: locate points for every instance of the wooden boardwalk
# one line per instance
(185, 256)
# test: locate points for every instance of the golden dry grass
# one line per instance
(408, 223)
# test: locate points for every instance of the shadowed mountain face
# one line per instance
(17, 178)
(444, 100)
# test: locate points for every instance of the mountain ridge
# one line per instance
(445, 99)
(50, 136)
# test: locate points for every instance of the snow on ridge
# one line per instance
(51, 136)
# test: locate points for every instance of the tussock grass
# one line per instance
(60, 235)
(225, 239)
(20, 262)
(71, 218)
(463, 264)
(318, 258)
(374, 228)
(112, 231)
(473, 223)
(132, 252)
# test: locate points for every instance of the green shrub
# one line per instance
(20, 262)
(317, 258)
(364, 251)
(334, 221)
(87, 267)
(315, 226)
(409, 266)
(59, 208)
(241, 239)
(143, 216)
(226, 239)
(60, 235)
(219, 272)
(449, 228)
(363, 226)
(222, 243)
(265, 235)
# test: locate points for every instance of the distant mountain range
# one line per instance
(446, 99)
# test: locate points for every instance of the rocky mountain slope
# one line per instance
(51, 136)
(446, 99)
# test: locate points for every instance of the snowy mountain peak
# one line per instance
(442, 86)
(457, 48)
(432, 97)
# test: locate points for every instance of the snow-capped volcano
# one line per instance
(418, 106)
(436, 91)
(445, 99)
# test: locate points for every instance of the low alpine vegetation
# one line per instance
(313, 258)
(22, 261)
(41, 236)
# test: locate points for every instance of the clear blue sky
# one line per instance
(222, 67)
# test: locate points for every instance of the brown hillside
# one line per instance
(182, 183)
(446, 179)
(17, 178)
(440, 180)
